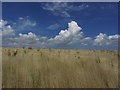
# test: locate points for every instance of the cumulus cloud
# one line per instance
(69, 37)
(63, 9)
(113, 37)
(6, 33)
(30, 35)
(6, 30)
(10, 39)
(103, 39)
(2, 23)
(29, 40)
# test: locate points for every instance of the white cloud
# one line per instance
(29, 35)
(6, 30)
(86, 41)
(21, 18)
(29, 40)
(53, 27)
(10, 40)
(88, 38)
(26, 39)
(113, 37)
(2, 23)
(103, 39)
(58, 9)
(68, 36)
(24, 24)
(6, 33)
(63, 9)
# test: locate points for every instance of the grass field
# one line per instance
(0, 68)
(55, 68)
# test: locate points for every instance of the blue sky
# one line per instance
(98, 24)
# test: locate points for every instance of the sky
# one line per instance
(60, 25)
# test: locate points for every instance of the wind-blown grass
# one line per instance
(55, 68)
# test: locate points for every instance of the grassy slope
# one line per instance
(50, 68)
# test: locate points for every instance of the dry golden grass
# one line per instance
(0, 68)
(50, 68)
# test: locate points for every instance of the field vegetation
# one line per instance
(59, 68)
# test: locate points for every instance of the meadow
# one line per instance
(59, 68)
(0, 68)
